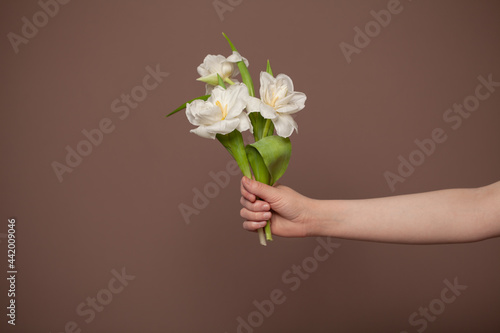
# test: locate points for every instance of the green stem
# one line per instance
(266, 128)
(228, 80)
(269, 235)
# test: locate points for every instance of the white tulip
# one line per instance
(222, 113)
(278, 102)
(226, 68)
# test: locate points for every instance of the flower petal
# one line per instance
(284, 125)
(245, 123)
(201, 112)
(256, 105)
(291, 104)
(235, 57)
(235, 98)
(217, 94)
(202, 70)
(224, 126)
(266, 85)
(202, 131)
(267, 111)
(253, 104)
(212, 64)
(285, 79)
(208, 89)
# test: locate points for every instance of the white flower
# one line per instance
(278, 102)
(222, 113)
(218, 64)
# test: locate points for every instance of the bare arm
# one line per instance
(447, 216)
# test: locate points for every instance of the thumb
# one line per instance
(261, 190)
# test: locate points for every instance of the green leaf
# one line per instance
(259, 168)
(229, 41)
(258, 123)
(245, 74)
(261, 174)
(221, 81)
(183, 106)
(275, 151)
(268, 128)
(268, 69)
(235, 146)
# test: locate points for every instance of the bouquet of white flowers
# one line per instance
(230, 107)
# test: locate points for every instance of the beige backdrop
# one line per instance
(103, 247)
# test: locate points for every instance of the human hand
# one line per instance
(288, 210)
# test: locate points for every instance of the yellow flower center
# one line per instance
(222, 109)
(273, 102)
(281, 92)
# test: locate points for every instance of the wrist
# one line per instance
(325, 218)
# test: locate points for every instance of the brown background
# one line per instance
(119, 208)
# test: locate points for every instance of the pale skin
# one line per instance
(445, 216)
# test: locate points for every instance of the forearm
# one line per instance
(447, 216)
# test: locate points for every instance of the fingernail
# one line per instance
(266, 207)
(267, 215)
(246, 180)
